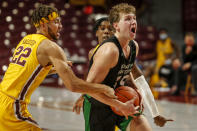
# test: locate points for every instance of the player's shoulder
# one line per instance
(48, 48)
(109, 48)
(48, 45)
(47, 42)
(135, 42)
(108, 54)
(136, 46)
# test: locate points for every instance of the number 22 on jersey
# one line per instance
(21, 55)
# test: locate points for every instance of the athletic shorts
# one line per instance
(14, 115)
(100, 117)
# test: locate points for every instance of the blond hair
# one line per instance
(114, 15)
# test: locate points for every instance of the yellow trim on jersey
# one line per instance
(96, 48)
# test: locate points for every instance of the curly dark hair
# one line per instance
(98, 23)
(42, 11)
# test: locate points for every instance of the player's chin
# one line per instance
(132, 36)
(106, 37)
(57, 36)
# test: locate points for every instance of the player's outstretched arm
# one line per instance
(148, 99)
(50, 52)
(53, 70)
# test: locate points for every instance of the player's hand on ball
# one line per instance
(78, 105)
(128, 108)
(161, 121)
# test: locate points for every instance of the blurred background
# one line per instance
(155, 17)
(166, 36)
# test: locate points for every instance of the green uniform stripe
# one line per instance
(87, 107)
(125, 122)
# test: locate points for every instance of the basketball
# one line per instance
(124, 94)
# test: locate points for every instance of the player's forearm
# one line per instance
(78, 85)
(106, 100)
(86, 87)
(136, 71)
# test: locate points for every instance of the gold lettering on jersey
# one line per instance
(125, 69)
(123, 74)
(29, 42)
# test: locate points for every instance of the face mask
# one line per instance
(163, 36)
(168, 62)
(190, 43)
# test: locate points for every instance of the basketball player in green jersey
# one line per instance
(111, 64)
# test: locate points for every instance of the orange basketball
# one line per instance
(124, 94)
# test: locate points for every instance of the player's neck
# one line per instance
(123, 42)
(43, 33)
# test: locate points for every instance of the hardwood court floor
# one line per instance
(52, 108)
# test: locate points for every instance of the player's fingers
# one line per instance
(126, 117)
(161, 125)
(69, 63)
(137, 107)
(133, 99)
(125, 114)
(113, 96)
(136, 112)
(133, 116)
(169, 120)
(78, 110)
(74, 108)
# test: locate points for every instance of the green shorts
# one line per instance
(100, 117)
